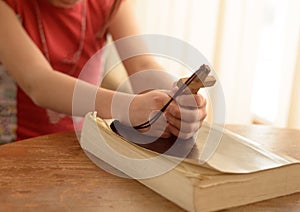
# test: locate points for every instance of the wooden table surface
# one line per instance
(52, 173)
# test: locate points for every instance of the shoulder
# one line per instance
(16, 5)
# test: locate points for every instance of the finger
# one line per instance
(166, 134)
(185, 114)
(194, 101)
(158, 129)
(157, 133)
(185, 126)
(178, 133)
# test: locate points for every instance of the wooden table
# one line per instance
(52, 173)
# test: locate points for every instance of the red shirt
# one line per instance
(62, 30)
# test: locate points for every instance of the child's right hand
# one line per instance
(143, 107)
(182, 118)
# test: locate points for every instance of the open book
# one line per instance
(238, 171)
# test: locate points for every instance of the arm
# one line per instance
(124, 25)
(54, 90)
(32, 72)
(182, 120)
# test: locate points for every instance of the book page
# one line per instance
(234, 153)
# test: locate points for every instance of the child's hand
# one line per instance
(182, 118)
(185, 115)
(144, 107)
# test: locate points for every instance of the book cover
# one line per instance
(215, 170)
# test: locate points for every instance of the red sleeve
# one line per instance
(16, 5)
(12, 3)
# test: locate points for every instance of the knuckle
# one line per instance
(198, 98)
(166, 135)
(175, 111)
(203, 115)
(158, 101)
(201, 101)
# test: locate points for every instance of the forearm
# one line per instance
(134, 53)
(46, 87)
(145, 74)
(65, 94)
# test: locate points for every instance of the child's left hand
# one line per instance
(185, 115)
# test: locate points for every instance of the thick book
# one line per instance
(217, 169)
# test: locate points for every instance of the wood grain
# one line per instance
(196, 84)
(52, 173)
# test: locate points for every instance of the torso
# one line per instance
(60, 44)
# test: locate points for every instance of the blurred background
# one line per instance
(253, 45)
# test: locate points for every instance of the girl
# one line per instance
(44, 45)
